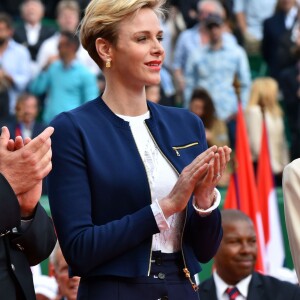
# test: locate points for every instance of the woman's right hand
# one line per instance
(178, 198)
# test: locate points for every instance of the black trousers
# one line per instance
(166, 282)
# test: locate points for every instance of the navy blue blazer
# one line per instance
(99, 193)
(261, 287)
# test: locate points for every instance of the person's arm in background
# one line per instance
(40, 83)
(239, 11)
(244, 75)
(291, 196)
(22, 168)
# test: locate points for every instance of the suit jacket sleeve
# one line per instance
(291, 193)
(39, 239)
(10, 215)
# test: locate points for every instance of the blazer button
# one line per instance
(13, 267)
(161, 275)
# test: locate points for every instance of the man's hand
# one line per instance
(25, 166)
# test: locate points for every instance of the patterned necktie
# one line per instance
(232, 292)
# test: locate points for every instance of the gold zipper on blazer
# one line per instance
(176, 148)
(185, 269)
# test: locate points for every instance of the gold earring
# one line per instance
(108, 64)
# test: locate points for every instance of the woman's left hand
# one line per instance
(204, 189)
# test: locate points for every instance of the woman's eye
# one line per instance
(142, 38)
(160, 38)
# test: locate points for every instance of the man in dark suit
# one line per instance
(25, 122)
(234, 276)
(273, 29)
(31, 32)
(27, 236)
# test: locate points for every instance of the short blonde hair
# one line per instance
(102, 18)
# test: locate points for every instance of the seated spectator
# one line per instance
(216, 132)
(234, 276)
(194, 39)
(202, 105)
(67, 287)
(14, 68)
(66, 82)
(25, 122)
(250, 16)
(215, 67)
(263, 103)
(31, 32)
(68, 17)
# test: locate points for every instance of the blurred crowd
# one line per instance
(232, 51)
(218, 53)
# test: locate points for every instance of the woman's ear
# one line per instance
(103, 48)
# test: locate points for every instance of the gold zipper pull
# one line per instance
(188, 275)
(176, 151)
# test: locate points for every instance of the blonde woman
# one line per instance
(133, 193)
(264, 98)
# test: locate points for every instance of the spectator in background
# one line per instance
(31, 32)
(234, 276)
(25, 122)
(12, 8)
(194, 39)
(68, 16)
(66, 82)
(263, 103)
(274, 28)
(289, 80)
(14, 68)
(216, 131)
(188, 10)
(215, 68)
(67, 287)
(202, 105)
(250, 16)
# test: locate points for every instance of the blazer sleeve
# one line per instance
(10, 214)
(291, 194)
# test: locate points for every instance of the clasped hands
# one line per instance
(199, 178)
(24, 164)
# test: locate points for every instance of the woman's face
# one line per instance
(138, 55)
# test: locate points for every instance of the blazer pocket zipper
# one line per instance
(177, 148)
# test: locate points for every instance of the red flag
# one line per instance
(242, 190)
(274, 247)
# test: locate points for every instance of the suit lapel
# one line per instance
(208, 290)
(256, 290)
